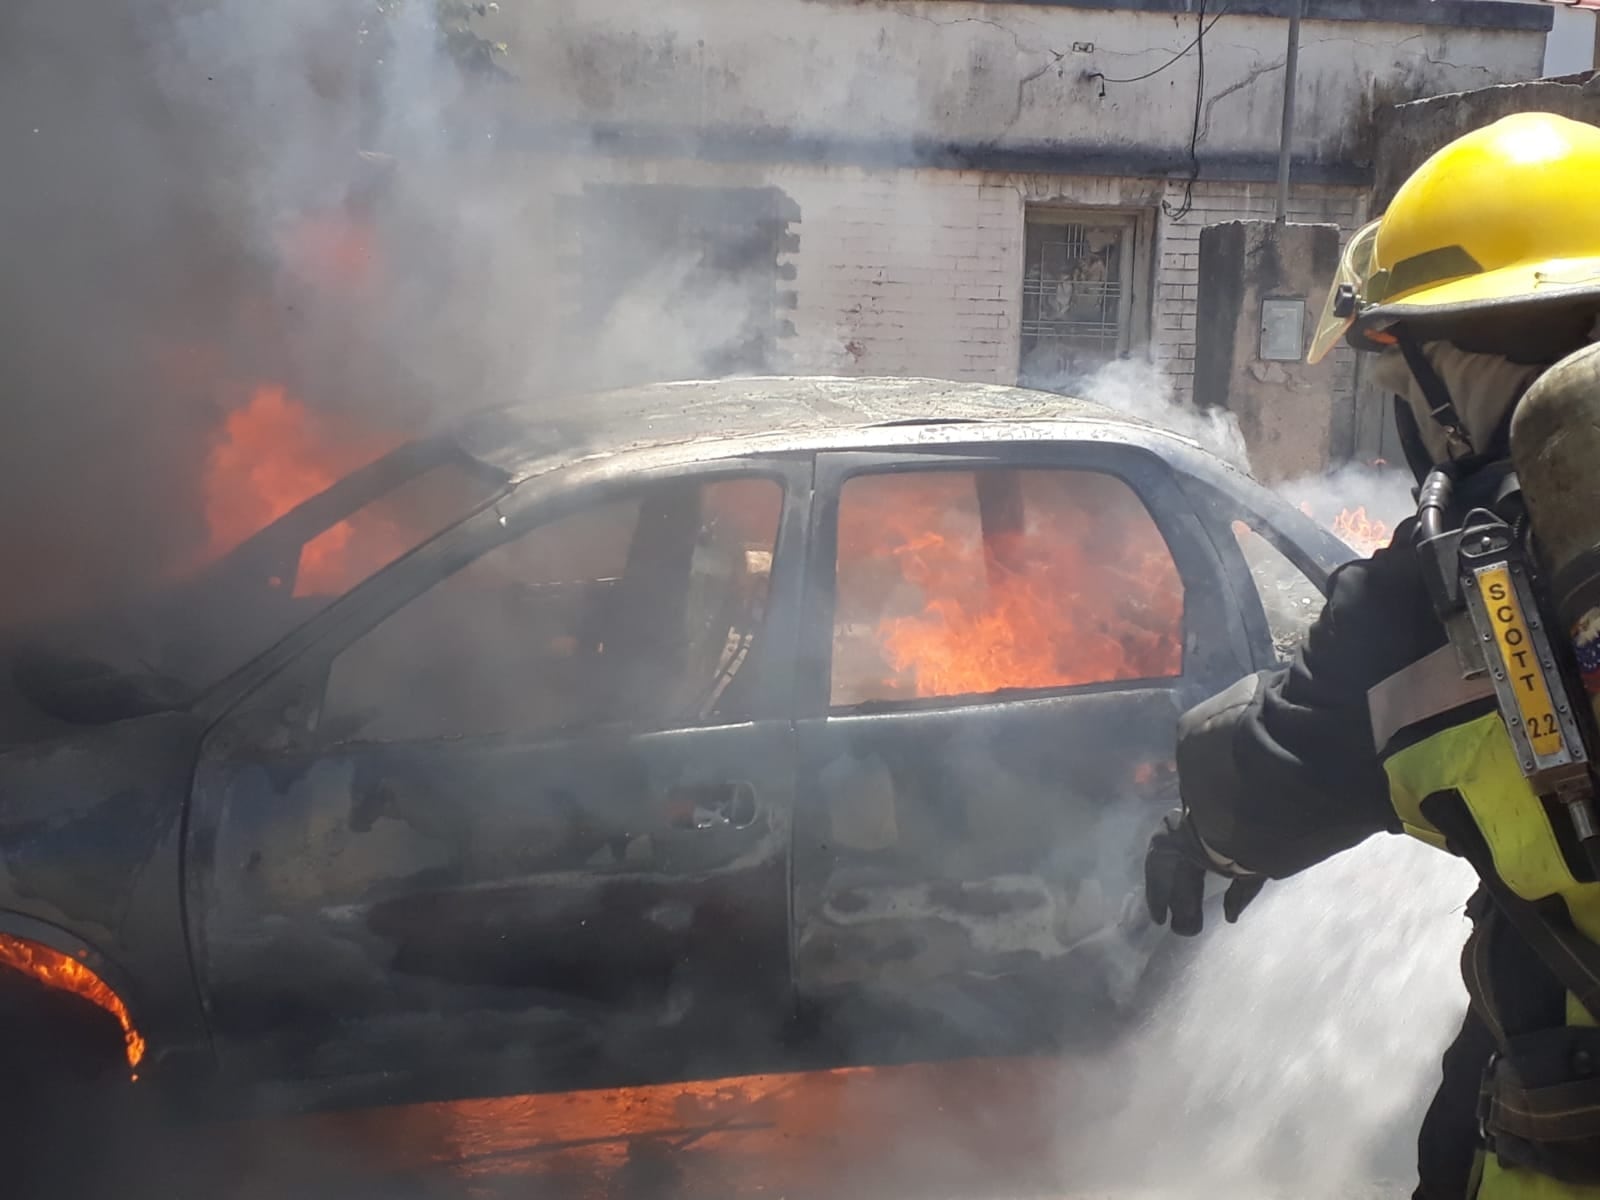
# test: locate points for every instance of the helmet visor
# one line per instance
(1355, 268)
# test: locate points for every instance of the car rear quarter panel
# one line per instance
(90, 862)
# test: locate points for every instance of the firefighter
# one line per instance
(1482, 275)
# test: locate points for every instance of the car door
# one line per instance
(998, 645)
(1278, 560)
(535, 829)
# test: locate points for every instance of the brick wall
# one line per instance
(919, 272)
(1177, 276)
(906, 273)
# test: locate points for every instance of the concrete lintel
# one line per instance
(1462, 14)
(778, 146)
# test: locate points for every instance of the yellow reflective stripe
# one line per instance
(1500, 1182)
(1424, 834)
(1476, 759)
(1577, 1014)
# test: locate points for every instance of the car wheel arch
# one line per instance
(19, 987)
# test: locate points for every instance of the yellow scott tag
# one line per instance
(1521, 661)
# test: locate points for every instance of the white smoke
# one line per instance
(1137, 389)
(1301, 1048)
(1377, 491)
(154, 165)
(1384, 492)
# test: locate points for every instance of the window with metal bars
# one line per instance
(1076, 291)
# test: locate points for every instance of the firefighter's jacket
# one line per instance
(1370, 728)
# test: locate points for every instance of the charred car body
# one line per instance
(623, 746)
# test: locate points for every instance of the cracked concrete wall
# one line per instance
(1409, 133)
(1287, 410)
(989, 74)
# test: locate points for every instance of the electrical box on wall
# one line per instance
(1283, 330)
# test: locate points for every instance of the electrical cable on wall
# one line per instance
(1178, 57)
(1203, 27)
(1178, 213)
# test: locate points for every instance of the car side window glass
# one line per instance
(641, 610)
(966, 583)
(1291, 600)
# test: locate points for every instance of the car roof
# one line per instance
(526, 440)
(775, 413)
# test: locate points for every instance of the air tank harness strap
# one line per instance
(1539, 1101)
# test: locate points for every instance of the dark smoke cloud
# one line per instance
(162, 158)
(157, 155)
(110, 251)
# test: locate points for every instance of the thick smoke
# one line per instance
(1137, 389)
(1298, 1052)
(204, 196)
(166, 165)
(1379, 490)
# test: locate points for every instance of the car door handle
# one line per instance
(713, 806)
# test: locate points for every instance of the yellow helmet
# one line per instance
(1507, 216)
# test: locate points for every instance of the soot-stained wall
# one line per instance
(1286, 410)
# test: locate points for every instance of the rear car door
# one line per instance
(997, 650)
(535, 830)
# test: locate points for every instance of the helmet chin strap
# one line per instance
(1411, 443)
(1440, 406)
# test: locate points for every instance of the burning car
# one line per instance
(683, 729)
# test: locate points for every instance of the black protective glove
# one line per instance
(1175, 870)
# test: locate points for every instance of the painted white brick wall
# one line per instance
(919, 272)
(939, 291)
(906, 273)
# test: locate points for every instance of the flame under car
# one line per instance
(687, 730)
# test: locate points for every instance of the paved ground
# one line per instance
(974, 1129)
(1294, 1060)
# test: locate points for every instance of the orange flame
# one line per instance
(332, 251)
(272, 455)
(1363, 534)
(61, 971)
(1083, 590)
(1360, 531)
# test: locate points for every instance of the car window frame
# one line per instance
(1144, 471)
(272, 704)
(1312, 550)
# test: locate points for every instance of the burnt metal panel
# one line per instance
(90, 846)
(959, 860)
(514, 909)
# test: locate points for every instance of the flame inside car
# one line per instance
(1360, 531)
(1352, 526)
(272, 454)
(970, 583)
(66, 973)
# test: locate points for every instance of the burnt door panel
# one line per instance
(558, 907)
(1000, 653)
(540, 836)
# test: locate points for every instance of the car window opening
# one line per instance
(974, 583)
(1290, 599)
(642, 611)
